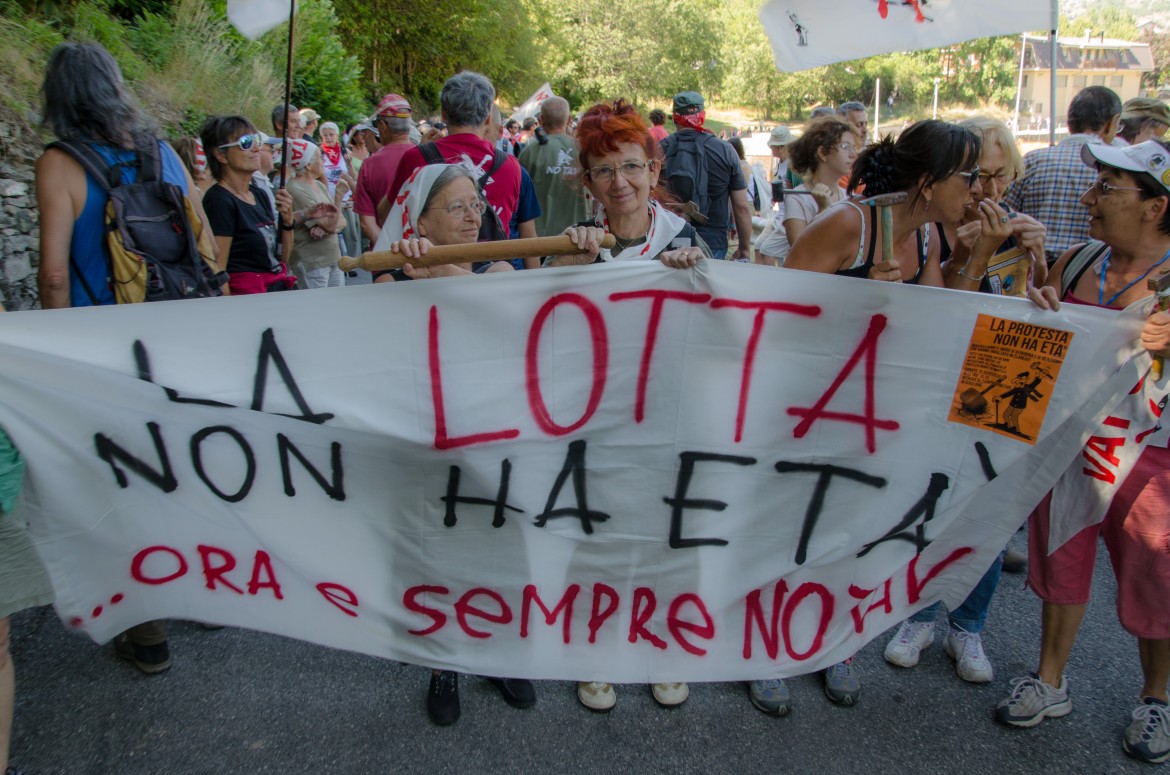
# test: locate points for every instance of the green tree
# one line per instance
(412, 47)
(1112, 20)
(642, 51)
(750, 77)
(325, 76)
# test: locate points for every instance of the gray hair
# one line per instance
(845, 108)
(466, 99)
(446, 178)
(84, 99)
(280, 114)
(396, 126)
(554, 113)
(821, 111)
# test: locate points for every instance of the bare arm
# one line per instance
(827, 244)
(61, 192)
(742, 211)
(369, 227)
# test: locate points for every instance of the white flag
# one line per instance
(532, 104)
(253, 18)
(810, 33)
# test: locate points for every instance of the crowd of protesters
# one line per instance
(400, 182)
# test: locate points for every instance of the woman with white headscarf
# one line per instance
(315, 251)
(438, 205)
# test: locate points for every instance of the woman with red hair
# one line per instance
(621, 165)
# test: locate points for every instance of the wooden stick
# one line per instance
(437, 255)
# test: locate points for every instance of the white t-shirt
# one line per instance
(795, 207)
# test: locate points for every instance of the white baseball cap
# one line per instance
(1150, 157)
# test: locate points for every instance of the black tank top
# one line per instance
(862, 270)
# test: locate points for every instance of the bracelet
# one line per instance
(290, 227)
(978, 279)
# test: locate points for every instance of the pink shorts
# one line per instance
(1136, 530)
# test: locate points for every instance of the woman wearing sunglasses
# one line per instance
(935, 165)
(622, 164)
(251, 241)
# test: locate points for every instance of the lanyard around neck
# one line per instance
(1105, 269)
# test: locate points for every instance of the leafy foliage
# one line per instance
(325, 76)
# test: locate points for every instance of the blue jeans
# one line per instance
(719, 255)
(971, 615)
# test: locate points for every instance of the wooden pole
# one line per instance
(437, 255)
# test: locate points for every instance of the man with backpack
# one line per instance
(466, 101)
(703, 172)
(92, 255)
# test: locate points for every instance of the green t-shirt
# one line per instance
(553, 169)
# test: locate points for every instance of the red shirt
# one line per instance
(375, 177)
(658, 132)
(502, 189)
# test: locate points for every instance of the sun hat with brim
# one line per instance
(688, 102)
(1150, 157)
(781, 136)
(1145, 107)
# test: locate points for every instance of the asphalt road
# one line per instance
(237, 701)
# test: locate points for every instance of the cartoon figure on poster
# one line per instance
(1019, 396)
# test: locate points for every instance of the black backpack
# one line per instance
(151, 246)
(686, 174)
(490, 227)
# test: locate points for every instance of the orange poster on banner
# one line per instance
(1008, 376)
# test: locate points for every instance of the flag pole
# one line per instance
(1019, 85)
(292, 9)
(1052, 73)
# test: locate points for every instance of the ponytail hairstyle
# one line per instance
(927, 152)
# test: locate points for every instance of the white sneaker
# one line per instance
(966, 648)
(670, 694)
(906, 646)
(596, 695)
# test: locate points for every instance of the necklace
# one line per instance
(246, 195)
(621, 244)
(1105, 269)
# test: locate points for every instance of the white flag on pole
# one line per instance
(810, 33)
(532, 104)
(253, 18)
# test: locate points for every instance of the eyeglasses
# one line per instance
(245, 143)
(458, 209)
(972, 176)
(1001, 178)
(631, 170)
(846, 147)
(1105, 189)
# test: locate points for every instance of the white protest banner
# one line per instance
(531, 105)
(623, 473)
(810, 33)
(1083, 495)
